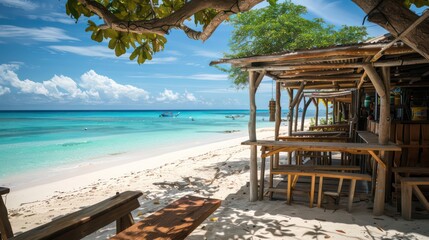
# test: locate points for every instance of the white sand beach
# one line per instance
(218, 170)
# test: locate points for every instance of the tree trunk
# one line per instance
(393, 16)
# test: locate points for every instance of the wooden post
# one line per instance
(383, 131)
(295, 127)
(325, 102)
(334, 111)
(304, 112)
(290, 115)
(278, 116)
(253, 195)
(278, 121)
(5, 227)
(316, 104)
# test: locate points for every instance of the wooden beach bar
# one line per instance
(375, 101)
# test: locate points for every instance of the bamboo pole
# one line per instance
(381, 86)
(278, 119)
(334, 111)
(290, 92)
(325, 102)
(297, 111)
(304, 112)
(253, 192)
(316, 104)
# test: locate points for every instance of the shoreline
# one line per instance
(36, 177)
(29, 189)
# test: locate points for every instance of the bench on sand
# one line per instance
(176, 221)
(87, 220)
(410, 185)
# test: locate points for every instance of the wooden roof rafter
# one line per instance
(350, 51)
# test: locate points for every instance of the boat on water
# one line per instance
(169, 114)
(233, 117)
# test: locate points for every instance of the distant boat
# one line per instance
(233, 117)
(169, 114)
(300, 110)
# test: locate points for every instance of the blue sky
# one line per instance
(48, 61)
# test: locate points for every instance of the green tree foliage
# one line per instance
(140, 25)
(281, 27)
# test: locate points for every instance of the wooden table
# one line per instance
(317, 133)
(353, 148)
(333, 127)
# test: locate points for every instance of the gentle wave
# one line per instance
(71, 144)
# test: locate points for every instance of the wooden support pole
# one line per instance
(316, 104)
(304, 112)
(253, 195)
(297, 111)
(334, 111)
(278, 119)
(325, 102)
(382, 87)
(290, 115)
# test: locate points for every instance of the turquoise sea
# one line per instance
(34, 140)
(38, 140)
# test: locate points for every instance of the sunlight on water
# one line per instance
(37, 140)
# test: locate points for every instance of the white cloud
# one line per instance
(95, 83)
(21, 4)
(155, 60)
(211, 77)
(53, 17)
(190, 96)
(168, 96)
(222, 90)
(173, 52)
(207, 54)
(89, 51)
(204, 76)
(44, 34)
(92, 87)
(193, 64)
(4, 90)
(161, 60)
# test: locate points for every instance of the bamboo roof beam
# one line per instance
(322, 79)
(305, 73)
(390, 63)
(349, 51)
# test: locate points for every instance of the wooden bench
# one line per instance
(86, 221)
(293, 173)
(175, 221)
(408, 186)
(296, 171)
(341, 176)
(405, 172)
(5, 228)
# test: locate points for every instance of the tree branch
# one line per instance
(393, 16)
(174, 20)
